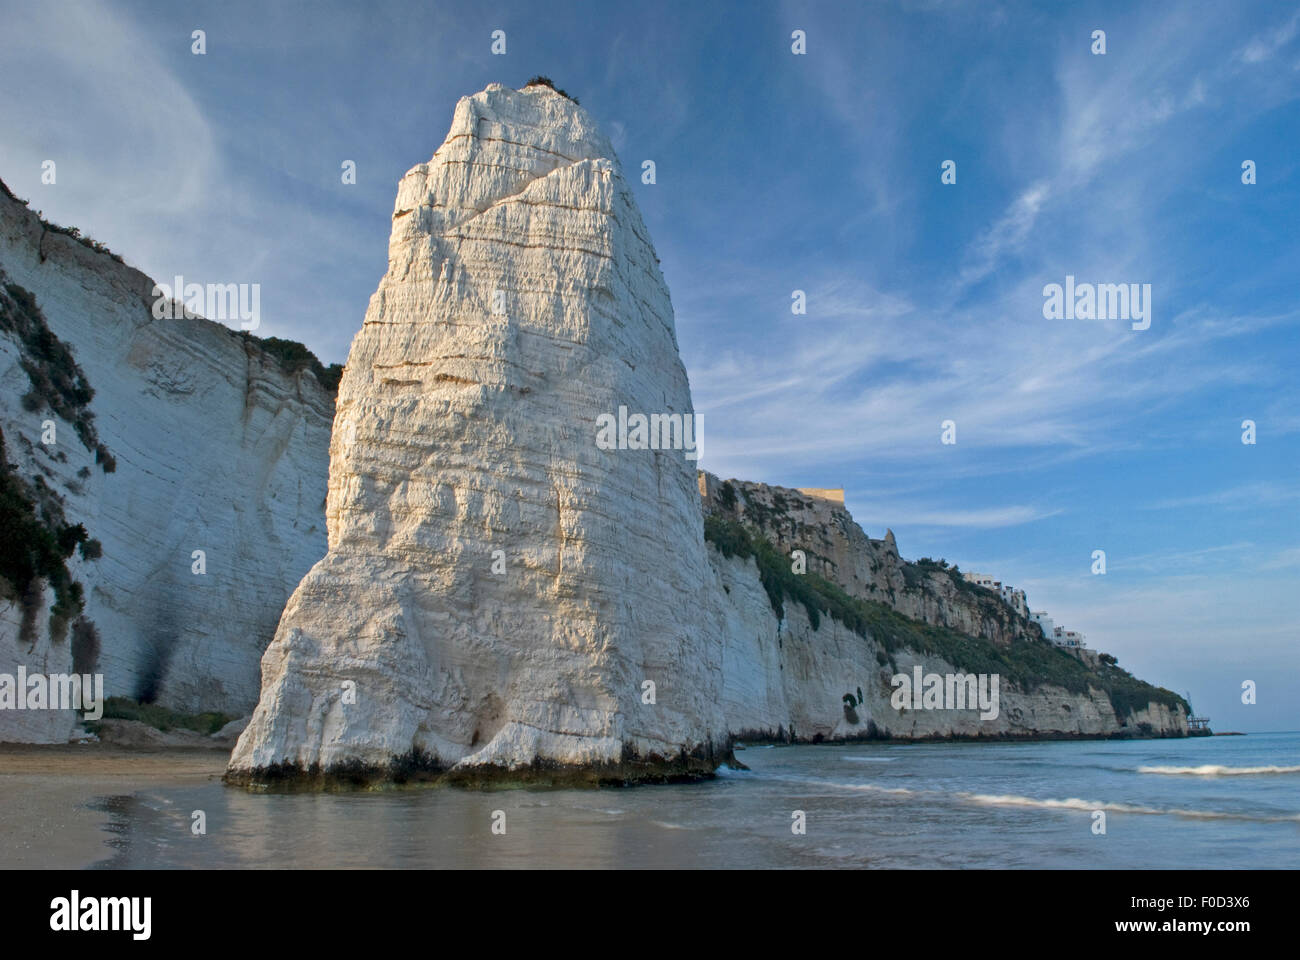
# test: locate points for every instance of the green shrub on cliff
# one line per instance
(735, 540)
(294, 357)
(81, 238)
(727, 495)
(57, 382)
(72, 232)
(35, 544)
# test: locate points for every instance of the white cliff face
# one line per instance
(499, 590)
(217, 449)
(788, 680)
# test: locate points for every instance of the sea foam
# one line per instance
(1217, 770)
(1074, 803)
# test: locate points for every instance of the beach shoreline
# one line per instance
(50, 819)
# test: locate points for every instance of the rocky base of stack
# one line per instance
(700, 764)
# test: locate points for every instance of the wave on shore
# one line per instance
(1217, 770)
(1074, 803)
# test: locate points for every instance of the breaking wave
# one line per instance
(1215, 770)
(1074, 803)
(855, 787)
(1014, 800)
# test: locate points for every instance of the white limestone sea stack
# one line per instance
(502, 596)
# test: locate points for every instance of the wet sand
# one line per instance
(46, 792)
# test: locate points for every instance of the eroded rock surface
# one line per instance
(523, 300)
(214, 446)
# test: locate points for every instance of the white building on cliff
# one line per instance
(1070, 639)
(1012, 597)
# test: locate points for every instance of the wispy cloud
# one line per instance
(98, 67)
(1007, 235)
(1268, 43)
(920, 515)
(1282, 559)
(1242, 497)
(1182, 561)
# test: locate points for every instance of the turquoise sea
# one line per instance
(1219, 802)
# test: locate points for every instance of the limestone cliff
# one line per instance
(799, 647)
(502, 594)
(839, 550)
(169, 437)
(786, 679)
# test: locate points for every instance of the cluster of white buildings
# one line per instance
(1070, 639)
(1012, 597)
(1058, 635)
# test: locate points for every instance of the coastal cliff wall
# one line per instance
(169, 437)
(798, 645)
(786, 680)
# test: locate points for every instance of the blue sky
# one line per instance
(819, 172)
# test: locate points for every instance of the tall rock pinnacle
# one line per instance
(501, 592)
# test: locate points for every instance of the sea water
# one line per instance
(1218, 802)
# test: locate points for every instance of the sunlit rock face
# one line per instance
(503, 595)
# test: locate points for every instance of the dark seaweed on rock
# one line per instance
(416, 768)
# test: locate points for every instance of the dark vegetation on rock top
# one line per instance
(72, 232)
(540, 81)
(294, 357)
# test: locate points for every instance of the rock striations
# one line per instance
(195, 439)
(501, 595)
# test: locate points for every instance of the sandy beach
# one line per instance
(46, 793)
